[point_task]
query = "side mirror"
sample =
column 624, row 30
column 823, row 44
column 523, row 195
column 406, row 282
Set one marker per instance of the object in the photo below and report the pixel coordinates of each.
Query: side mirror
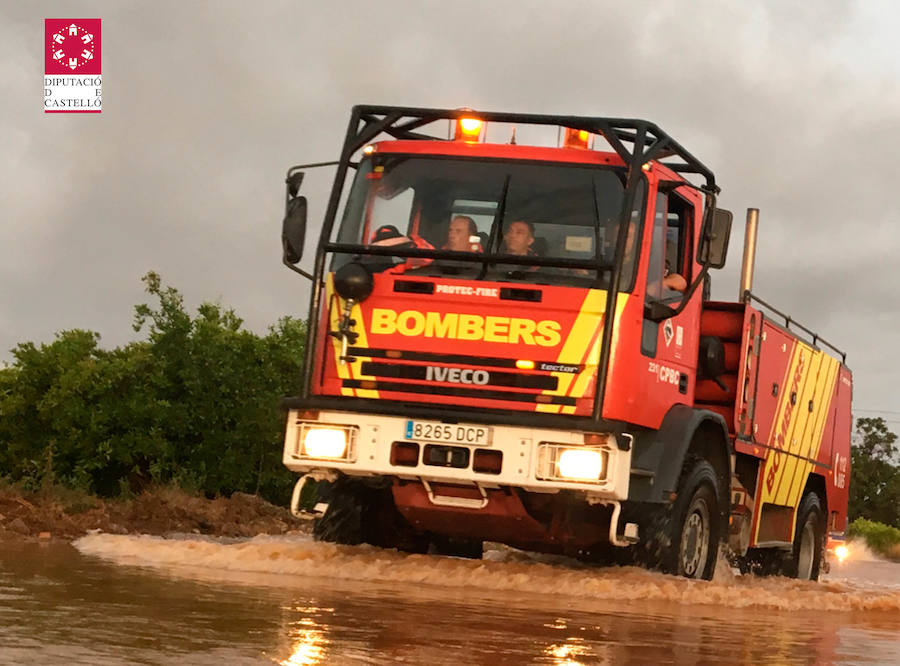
column 293, row 230
column 714, row 238
column 294, row 181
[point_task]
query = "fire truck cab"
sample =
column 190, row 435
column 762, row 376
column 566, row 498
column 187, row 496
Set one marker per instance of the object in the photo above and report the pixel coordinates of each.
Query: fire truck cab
column 515, row 343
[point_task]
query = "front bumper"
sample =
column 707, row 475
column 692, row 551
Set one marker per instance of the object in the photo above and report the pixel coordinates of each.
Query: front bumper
column 530, row 456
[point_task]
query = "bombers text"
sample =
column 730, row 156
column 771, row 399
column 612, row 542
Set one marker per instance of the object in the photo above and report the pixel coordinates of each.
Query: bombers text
column 460, row 326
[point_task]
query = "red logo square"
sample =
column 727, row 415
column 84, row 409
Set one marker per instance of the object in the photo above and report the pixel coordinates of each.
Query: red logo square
column 72, row 46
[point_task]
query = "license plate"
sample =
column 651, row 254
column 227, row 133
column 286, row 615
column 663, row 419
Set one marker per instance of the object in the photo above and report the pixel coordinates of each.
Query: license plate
column 452, row 433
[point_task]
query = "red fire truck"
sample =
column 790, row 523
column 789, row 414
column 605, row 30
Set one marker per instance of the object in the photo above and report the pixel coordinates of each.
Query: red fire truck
column 515, row 343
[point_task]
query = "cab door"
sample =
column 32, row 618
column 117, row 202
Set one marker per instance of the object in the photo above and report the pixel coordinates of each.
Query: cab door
column 669, row 347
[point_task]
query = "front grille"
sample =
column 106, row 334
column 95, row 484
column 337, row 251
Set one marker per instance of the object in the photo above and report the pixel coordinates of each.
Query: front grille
column 484, row 394
column 494, row 378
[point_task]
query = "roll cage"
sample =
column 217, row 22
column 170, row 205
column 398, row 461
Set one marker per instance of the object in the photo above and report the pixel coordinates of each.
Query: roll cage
column 637, row 142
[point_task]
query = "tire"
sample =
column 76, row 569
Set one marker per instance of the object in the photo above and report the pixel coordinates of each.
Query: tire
column 695, row 526
column 763, row 562
column 344, row 519
column 358, row 513
column 471, row 549
column 809, row 540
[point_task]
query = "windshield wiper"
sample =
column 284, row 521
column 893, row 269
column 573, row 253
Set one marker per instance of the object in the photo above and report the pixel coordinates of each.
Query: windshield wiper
column 495, row 226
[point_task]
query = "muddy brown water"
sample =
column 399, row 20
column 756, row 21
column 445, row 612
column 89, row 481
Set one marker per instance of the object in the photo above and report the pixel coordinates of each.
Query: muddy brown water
column 111, row 599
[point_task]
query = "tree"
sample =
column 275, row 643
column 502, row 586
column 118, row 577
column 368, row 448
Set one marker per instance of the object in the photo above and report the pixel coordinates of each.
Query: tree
column 195, row 404
column 874, row 476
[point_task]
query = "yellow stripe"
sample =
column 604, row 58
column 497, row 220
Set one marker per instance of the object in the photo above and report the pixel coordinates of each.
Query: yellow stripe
column 361, row 341
column 800, row 426
column 346, row 370
column 573, row 349
column 809, row 439
column 766, row 495
column 805, row 432
column 593, row 358
column 824, row 394
column 334, row 316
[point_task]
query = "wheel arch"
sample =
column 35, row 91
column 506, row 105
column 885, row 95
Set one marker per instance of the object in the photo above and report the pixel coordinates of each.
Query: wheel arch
column 659, row 456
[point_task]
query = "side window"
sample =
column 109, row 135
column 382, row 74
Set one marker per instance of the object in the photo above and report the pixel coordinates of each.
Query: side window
column 657, row 266
column 669, row 270
column 678, row 237
column 394, row 210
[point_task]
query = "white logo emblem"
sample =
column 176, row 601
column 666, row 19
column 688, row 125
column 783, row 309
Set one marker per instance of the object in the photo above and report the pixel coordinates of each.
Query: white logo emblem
column 668, row 332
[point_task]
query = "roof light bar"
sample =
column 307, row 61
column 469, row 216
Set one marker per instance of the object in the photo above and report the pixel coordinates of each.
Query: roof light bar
column 573, row 138
column 468, row 129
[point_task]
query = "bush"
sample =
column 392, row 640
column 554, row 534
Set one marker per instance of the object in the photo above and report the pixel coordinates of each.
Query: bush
column 196, row 403
column 882, row 539
column 874, row 474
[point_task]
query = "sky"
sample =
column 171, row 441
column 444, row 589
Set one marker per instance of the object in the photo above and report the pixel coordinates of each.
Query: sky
column 794, row 105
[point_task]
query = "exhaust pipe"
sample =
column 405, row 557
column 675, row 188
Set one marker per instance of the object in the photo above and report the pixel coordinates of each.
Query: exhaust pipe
column 749, row 254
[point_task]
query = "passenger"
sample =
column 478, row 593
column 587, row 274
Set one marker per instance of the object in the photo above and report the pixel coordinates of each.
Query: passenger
column 518, row 239
column 462, row 235
column 673, row 281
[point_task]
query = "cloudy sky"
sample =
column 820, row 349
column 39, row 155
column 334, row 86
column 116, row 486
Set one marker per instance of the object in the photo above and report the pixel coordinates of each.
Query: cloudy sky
column 794, row 105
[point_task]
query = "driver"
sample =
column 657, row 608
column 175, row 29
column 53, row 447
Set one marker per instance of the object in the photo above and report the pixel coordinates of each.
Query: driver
column 462, row 235
column 389, row 236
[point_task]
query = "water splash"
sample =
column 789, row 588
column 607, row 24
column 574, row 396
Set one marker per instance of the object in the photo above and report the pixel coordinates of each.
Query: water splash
column 501, row 570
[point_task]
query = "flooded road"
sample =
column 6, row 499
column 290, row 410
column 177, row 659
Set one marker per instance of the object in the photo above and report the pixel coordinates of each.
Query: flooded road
column 142, row 600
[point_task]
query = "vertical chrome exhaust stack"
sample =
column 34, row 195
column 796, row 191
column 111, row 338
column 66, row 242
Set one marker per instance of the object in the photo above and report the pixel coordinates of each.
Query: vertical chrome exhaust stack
column 749, row 254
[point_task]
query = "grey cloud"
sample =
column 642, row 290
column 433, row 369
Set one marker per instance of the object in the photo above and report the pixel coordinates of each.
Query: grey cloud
column 207, row 104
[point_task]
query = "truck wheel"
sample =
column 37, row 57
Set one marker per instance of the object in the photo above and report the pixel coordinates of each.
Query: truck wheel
column 763, row 562
column 343, row 520
column 359, row 513
column 809, row 540
column 695, row 527
column 471, row 549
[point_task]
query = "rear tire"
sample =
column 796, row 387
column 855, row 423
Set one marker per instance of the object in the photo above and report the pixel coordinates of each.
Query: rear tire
column 695, row 528
column 809, row 540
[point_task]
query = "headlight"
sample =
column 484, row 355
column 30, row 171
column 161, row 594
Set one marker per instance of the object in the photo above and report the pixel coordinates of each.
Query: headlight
column 580, row 464
column 565, row 462
column 325, row 443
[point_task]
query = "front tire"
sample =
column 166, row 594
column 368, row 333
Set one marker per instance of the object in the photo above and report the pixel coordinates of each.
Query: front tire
column 696, row 525
column 360, row 513
column 470, row 549
column 809, row 540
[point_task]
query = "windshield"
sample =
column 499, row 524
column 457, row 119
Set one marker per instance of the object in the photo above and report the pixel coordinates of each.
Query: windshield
column 513, row 208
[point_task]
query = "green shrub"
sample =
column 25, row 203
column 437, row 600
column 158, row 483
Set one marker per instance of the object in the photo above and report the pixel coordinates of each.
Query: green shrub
column 882, row 539
column 195, row 403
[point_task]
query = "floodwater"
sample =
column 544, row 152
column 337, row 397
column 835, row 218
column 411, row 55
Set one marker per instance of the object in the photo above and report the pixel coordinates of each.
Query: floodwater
column 112, row 599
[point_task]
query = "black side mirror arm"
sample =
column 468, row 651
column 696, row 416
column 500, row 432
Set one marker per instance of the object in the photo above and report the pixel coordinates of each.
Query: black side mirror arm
column 296, row 269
